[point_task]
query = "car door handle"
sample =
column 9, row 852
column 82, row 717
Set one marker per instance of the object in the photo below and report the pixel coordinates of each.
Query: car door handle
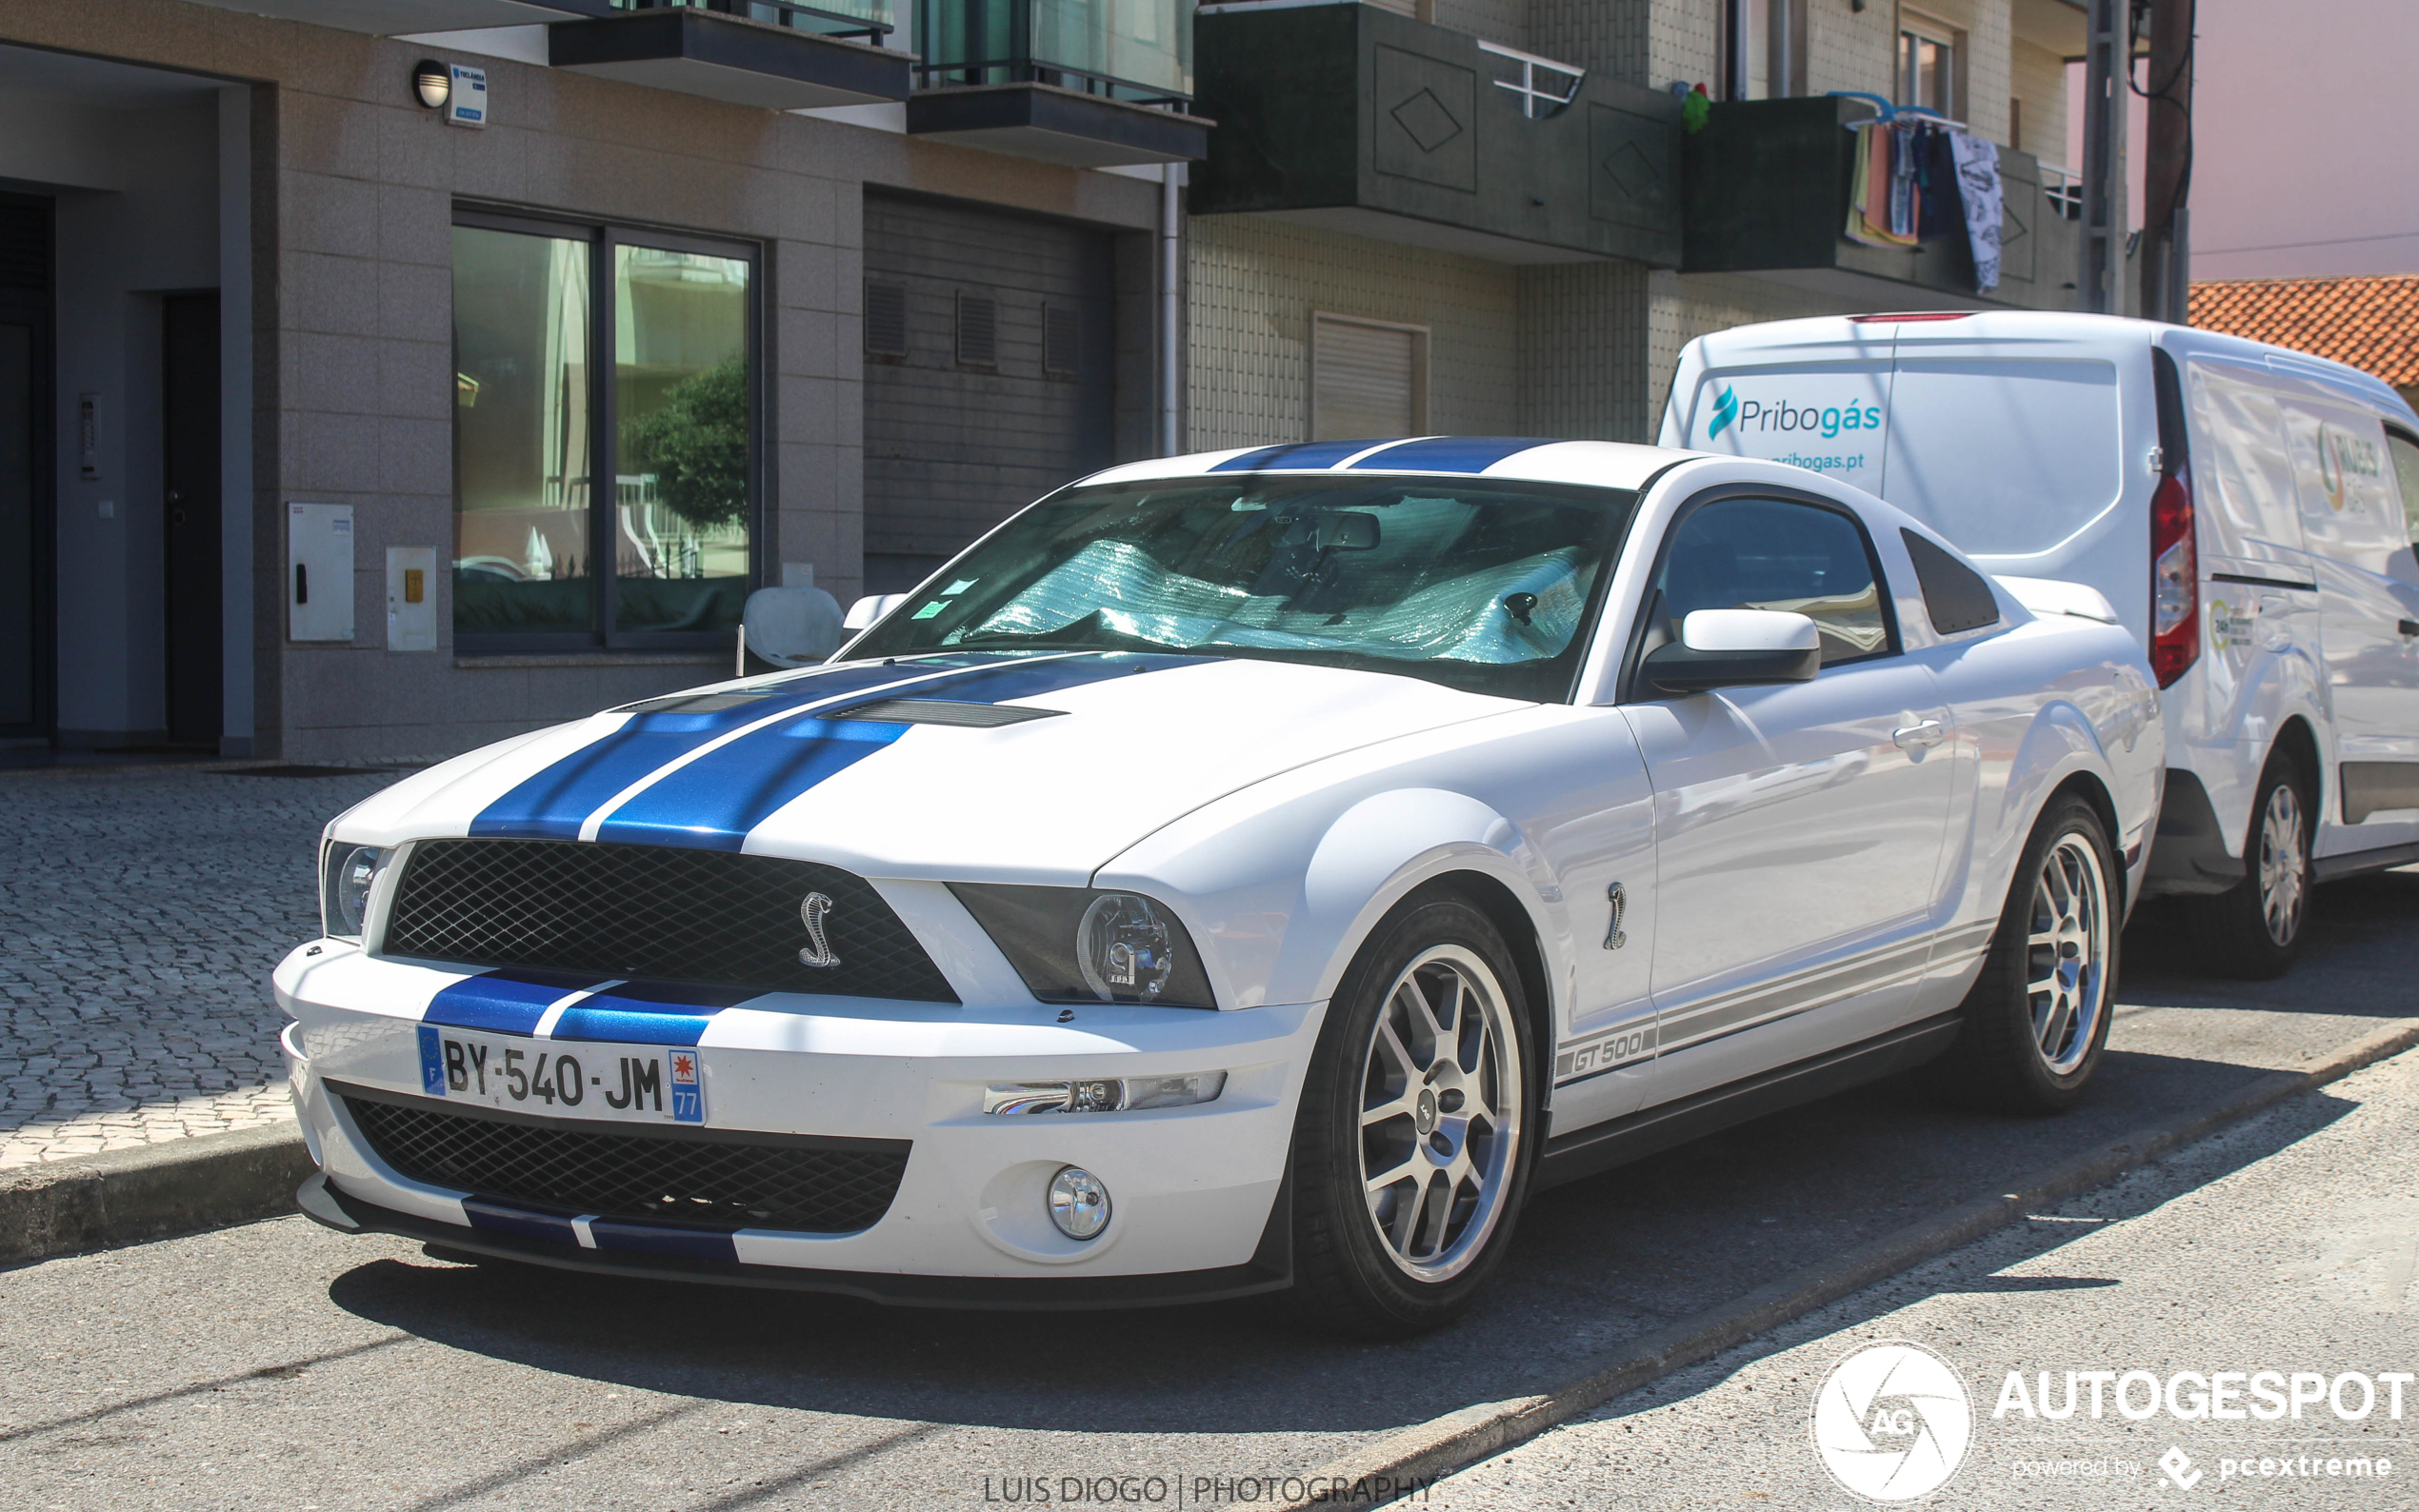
column 1921, row 736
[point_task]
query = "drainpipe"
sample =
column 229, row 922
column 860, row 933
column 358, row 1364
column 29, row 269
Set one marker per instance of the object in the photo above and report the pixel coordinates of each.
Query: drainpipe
column 1170, row 306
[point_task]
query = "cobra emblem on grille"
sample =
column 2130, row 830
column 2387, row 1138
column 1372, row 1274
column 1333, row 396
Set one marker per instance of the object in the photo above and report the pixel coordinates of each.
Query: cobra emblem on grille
column 812, row 910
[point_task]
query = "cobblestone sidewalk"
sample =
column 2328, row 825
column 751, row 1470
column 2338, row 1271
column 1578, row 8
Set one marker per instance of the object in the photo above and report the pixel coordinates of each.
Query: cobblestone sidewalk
column 140, row 913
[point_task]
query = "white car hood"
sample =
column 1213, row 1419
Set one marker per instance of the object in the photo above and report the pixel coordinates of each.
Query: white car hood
column 1134, row 742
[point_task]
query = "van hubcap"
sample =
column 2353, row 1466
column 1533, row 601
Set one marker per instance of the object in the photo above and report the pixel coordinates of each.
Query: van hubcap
column 2067, row 952
column 1440, row 1113
column 2281, row 872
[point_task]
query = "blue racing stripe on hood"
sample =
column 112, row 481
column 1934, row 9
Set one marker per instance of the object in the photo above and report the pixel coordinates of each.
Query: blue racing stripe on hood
column 1448, row 453
column 1299, row 454
column 713, row 802
column 555, row 802
column 648, row 1013
column 503, row 1002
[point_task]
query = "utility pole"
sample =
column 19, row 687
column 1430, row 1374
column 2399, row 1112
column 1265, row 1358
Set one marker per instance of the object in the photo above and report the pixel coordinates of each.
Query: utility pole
column 2108, row 65
column 2167, row 169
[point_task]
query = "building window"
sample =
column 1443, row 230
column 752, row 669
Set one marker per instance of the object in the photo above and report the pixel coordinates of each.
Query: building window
column 587, row 353
column 1763, row 49
column 1927, row 62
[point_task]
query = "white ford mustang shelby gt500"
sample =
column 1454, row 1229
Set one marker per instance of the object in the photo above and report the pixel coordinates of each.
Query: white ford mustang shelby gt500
column 1239, row 871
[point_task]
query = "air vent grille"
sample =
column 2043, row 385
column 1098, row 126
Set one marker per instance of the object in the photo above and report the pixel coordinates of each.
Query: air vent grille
column 978, row 342
column 1062, row 339
column 885, row 321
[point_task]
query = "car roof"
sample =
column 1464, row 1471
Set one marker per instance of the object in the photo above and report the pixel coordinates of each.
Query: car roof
column 1532, row 459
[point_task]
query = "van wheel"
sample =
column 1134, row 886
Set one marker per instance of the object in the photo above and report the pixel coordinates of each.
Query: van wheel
column 2037, row 1017
column 1417, row 1127
column 2253, row 930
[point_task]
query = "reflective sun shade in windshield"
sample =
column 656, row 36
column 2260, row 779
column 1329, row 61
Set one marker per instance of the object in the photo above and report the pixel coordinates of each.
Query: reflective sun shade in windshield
column 1477, row 584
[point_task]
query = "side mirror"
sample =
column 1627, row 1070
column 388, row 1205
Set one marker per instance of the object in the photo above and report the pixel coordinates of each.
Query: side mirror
column 869, row 608
column 1735, row 648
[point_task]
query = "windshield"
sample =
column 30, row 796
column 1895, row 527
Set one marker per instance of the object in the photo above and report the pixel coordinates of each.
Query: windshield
column 1481, row 584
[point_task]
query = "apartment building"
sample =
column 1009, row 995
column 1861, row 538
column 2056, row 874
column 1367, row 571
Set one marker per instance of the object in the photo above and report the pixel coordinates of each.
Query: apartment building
column 380, row 377
column 1489, row 216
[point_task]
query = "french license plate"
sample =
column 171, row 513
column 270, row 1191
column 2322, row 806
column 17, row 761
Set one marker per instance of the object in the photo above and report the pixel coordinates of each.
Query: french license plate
column 632, row 1083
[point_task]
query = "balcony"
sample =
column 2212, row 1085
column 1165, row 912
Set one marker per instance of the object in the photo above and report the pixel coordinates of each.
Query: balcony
column 773, row 55
column 1086, row 83
column 388, row 18
column 1767, row 190
column 1356, row 119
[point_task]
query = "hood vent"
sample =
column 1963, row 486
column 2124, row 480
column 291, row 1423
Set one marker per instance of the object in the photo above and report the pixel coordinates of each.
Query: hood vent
column 936, row 711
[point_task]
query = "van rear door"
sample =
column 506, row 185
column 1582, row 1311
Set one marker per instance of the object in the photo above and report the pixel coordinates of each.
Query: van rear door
column 2024, row 450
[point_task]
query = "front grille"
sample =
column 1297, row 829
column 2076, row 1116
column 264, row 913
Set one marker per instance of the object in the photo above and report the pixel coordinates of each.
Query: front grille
column 654, row 913
column 716, row 1178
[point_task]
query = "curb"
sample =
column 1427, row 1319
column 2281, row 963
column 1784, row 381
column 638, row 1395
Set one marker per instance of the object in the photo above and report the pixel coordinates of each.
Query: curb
column 1430, row 1450
column 156, row 1191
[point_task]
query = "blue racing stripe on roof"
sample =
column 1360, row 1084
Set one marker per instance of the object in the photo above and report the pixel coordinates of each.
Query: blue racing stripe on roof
column 1298, row 455
column 1448, row 453
column 713, row 802
column 552, row 803
column 504, row 1002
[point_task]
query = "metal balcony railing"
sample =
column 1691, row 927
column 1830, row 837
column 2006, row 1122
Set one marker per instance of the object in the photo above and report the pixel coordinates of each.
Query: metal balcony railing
column 1135, row 51
column 869, row 19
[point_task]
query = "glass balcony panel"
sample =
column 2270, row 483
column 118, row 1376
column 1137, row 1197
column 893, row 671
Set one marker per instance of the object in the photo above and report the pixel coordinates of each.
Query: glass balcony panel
column 1139, row 42
column 831, row 17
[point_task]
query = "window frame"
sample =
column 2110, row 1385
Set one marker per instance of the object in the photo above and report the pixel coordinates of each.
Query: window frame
column 1917, row 27
column 2411, row 523
column 603, row 238
column 1634, row 691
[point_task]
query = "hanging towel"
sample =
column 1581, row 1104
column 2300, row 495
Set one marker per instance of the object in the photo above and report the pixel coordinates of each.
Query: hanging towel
column 1978, row 188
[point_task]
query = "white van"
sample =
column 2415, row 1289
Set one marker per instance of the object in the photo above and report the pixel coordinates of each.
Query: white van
column 2248, row 513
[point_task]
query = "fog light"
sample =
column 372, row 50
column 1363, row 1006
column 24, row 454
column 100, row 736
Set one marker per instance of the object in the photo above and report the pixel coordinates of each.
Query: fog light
column 1078, row 1202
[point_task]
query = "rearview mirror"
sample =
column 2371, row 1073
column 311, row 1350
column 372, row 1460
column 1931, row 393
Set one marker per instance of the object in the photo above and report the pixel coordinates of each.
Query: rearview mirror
column 869, row 608
column 1735, row 648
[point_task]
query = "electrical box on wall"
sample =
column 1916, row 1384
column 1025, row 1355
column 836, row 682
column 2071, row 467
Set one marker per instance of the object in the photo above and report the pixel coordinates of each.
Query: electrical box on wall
column 319, row 571
column 411, row 598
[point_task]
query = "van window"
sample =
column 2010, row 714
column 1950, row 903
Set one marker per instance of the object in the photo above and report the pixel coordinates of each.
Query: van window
column 2006, row 457
column 2405, row 455
column 2242, row 487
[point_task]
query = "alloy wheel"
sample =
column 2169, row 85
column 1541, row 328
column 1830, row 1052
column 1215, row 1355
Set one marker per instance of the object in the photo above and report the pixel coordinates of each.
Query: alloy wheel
column 2067, row 952
column 1441, row 1098
column 2281, row 872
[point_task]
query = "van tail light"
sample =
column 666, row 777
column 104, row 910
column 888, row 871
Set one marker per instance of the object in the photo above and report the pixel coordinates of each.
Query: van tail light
column 2175, row 581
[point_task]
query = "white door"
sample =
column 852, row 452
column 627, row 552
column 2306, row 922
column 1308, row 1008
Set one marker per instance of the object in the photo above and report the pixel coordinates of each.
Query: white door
column 1798, row 827
column 2359, row 546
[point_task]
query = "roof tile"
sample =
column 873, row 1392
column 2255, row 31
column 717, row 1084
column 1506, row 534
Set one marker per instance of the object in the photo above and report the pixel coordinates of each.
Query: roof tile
column 2368, row 323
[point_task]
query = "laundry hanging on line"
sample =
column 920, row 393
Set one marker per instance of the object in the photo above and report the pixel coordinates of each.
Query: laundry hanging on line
column 1918, row 182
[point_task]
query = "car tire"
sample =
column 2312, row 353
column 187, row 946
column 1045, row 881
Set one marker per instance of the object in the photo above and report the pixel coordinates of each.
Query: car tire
column 2253, row 930
column 2036, row 1020
column 1424, row 1071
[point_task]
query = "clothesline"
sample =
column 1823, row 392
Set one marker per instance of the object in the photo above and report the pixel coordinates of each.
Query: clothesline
column 1890, row 112
column 1917, row 177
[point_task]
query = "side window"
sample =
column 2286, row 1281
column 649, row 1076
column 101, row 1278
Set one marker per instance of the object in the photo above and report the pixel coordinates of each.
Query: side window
column 1955, row 596
column 2405, row 455
column 1772, row 554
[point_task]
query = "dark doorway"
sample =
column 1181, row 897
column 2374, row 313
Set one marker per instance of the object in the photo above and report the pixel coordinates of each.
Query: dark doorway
column 25, row 471
column 192, row 560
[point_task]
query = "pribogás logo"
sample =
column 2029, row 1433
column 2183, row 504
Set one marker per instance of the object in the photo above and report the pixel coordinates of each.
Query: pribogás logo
column 1892, row 1422
column 1785, row 416
column 1726, row 409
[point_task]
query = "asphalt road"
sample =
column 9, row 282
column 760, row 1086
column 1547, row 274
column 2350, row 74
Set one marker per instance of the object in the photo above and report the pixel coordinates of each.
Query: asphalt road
column 2285, row 1243
column 283, row 1365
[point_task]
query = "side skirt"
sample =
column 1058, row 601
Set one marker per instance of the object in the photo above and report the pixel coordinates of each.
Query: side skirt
column 2351, row 863
column 1618, row 1141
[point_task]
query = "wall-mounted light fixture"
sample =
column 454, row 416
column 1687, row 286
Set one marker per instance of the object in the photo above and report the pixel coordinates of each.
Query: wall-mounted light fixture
column 433, row 82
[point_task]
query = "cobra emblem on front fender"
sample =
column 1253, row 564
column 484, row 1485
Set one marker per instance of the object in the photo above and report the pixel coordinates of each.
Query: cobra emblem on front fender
column 812, row 910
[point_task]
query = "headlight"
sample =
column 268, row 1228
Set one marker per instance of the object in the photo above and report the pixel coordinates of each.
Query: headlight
column 1073, row 944
column 346, row 875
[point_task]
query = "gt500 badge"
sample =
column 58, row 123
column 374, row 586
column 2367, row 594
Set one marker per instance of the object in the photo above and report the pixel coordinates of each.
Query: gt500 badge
column 1603, row 1055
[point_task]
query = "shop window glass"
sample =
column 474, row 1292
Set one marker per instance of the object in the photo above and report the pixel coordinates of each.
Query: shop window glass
column 682, row 401
column 523, row 559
